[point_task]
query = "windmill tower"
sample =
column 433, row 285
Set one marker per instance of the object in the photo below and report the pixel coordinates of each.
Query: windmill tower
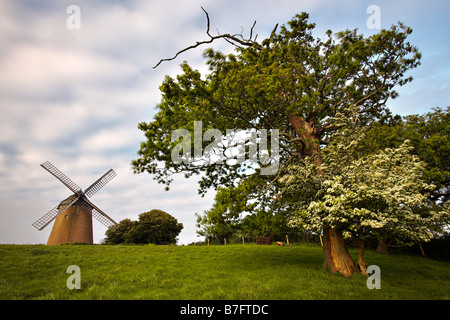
column 74, row 215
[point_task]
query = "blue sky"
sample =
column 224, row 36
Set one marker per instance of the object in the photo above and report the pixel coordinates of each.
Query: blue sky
column 74, row 97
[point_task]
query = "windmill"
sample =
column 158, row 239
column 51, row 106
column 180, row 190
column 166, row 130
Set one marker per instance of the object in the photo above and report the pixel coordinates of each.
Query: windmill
column 74, row 215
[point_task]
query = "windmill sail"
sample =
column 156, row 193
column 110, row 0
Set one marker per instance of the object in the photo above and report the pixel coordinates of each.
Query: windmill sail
column 42, row 222
column 98, row 213
column 61, row 177
column 100, row 183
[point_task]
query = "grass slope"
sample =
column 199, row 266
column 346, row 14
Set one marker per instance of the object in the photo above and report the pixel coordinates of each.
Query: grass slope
column 230, row 272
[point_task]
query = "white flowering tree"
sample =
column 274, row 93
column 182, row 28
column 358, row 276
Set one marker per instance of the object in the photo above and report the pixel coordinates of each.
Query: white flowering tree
column 380, row 195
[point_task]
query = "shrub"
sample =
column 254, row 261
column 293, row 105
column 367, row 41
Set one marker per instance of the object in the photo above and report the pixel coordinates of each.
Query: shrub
column 155, row 226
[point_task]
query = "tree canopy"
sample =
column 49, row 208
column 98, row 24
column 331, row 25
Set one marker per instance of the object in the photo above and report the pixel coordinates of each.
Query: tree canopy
column 292, row 82
column 429, row 136
column 155, row 226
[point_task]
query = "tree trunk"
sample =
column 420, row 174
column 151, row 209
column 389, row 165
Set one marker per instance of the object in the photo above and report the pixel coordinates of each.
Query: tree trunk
column 362, row 264
column 383, row 247
column 309, row 145
column 336, row 256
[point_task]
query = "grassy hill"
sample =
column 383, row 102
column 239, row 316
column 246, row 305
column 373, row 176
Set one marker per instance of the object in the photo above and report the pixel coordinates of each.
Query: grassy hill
column 231, row 272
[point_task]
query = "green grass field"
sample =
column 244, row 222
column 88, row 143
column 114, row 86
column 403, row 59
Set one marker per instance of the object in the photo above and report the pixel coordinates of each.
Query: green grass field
column 231, row 272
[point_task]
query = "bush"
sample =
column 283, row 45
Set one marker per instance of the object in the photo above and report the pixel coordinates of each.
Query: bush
column 155, row 226
column 117, row 234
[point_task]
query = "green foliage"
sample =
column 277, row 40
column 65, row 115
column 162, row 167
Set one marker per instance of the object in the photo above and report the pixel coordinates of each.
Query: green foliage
column 381, row 195
column 117, row 234
column 224, row 218
column 247, row 209
column 429, row 136
column 155, row 226
column 270, row 223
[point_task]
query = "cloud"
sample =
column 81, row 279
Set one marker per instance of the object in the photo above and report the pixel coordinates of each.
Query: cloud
column 75, row 97
column 110, row 138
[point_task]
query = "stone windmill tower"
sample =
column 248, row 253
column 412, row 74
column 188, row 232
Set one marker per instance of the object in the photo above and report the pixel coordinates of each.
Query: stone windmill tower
column 74, row 215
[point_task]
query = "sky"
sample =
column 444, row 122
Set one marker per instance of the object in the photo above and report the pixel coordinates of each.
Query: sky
column 75, row 84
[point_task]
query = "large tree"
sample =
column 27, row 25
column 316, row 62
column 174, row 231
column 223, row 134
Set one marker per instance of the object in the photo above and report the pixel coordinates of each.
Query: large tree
column 292, row 82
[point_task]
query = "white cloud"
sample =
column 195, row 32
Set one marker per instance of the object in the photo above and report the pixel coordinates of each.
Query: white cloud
column 75, row 97
column 37, row 71
column 108, row 139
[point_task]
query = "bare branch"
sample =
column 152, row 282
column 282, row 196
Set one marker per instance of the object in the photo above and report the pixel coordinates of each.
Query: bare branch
column 236, row 39
column 273, row 31
column 207, row 21
column 251, row 30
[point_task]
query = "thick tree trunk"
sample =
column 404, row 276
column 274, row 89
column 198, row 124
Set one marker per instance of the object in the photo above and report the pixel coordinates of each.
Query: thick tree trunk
column 309, row 145
column 362, row 264
column 336, row 256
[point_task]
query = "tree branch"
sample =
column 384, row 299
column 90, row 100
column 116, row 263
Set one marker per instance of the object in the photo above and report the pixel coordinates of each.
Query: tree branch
column 235, row 39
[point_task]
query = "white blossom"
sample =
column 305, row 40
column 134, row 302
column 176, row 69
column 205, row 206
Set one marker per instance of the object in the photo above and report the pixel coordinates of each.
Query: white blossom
column 380, row 194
